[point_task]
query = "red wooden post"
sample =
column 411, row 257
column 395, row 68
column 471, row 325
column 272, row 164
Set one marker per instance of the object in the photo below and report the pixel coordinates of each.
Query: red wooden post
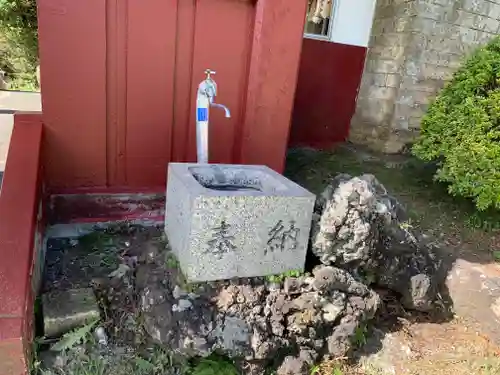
column 19, row 204
column 72, row 39
column 277, row 43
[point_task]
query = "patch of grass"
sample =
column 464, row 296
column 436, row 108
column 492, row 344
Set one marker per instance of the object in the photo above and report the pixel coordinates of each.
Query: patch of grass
column 339, row 367
column 214, row 365
column 96, row 240
column 100, row 246
column 282, row 276
column 360, row 336
column 171, row 261
column 159, row 361
column 487, row 366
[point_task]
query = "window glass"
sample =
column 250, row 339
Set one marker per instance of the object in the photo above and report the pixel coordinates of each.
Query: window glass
column 319, row 18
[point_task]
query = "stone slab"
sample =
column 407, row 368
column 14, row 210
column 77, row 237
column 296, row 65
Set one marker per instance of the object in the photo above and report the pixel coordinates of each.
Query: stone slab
column 66, row 310
column 226, row 221
column 474, row 289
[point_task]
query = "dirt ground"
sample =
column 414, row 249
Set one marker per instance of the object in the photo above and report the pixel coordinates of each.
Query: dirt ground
column 400, row 342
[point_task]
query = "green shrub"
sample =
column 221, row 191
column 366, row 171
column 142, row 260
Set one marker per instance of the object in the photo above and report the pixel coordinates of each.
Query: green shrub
column 461, row 130
column 19, row 42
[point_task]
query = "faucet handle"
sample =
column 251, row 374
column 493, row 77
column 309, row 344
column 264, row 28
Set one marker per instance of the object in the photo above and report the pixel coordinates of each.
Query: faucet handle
column 209, row 72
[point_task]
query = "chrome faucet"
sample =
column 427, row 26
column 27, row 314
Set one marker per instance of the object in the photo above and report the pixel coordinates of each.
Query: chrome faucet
column 209, row 88
column 207, row 91
column 226, row 110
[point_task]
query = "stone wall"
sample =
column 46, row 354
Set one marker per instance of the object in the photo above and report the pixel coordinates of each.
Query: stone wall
column 415, row 47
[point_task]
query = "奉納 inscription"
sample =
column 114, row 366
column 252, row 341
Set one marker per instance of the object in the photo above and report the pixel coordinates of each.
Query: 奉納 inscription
column 282, row 238
column 221, row 242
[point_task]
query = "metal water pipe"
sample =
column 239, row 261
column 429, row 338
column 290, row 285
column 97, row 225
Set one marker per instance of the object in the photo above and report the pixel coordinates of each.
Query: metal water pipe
column 207, row 91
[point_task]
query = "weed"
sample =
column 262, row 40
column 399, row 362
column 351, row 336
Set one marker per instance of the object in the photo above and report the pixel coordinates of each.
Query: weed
column 96, row 240
column 214, row 365
column 74, row 337
column 171, row 261
column 282, row 276
column 368, row 276
column 92, row 366
column 359, row 338
column 407, row 225
column 496, row 255
column 315, row 370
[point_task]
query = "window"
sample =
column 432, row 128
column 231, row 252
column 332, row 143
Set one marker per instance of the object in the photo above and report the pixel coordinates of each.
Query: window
column 319, row 19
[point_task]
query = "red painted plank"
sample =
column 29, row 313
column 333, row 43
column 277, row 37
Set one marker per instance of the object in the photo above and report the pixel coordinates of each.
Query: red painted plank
column 326, row 93
column 72, row 44
column 277, row 42
column 19, row 203
column 12, row 357
column 150, row 84
column 116, row 69
column 228, row 53
column 184, row 94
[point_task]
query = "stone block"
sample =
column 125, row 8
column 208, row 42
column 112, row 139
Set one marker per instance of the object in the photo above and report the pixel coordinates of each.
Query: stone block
column 414, row 122
column 375, row 111
column 393, row 80
column 476, row 6
column 383, row 66
column 494, row 11
column 465, row 19
column 402, row 24
column 66, row 310
column 489, row 25
column 426, row 85
column 431, row 11
column 374, row 79
column 383, row 93
column 430, row 71
column 227, row 221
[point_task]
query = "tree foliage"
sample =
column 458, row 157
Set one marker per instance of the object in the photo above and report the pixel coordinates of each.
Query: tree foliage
column 461, row 130
column 19, row 40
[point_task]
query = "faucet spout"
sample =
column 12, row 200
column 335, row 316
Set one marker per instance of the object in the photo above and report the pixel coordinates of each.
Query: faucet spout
column 226, row 110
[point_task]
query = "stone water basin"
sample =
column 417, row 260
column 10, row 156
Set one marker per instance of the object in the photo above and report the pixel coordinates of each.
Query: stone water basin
column 226, row 221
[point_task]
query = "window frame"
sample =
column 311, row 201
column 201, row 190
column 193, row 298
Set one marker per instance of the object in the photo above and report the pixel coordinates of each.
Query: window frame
column 329, row 36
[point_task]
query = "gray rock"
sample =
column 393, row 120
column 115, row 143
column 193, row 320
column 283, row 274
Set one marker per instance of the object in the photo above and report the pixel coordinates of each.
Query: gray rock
column 409, row 267
column 292, row 285
column 361, row 230
column 233, row 335
column 331, row 278
column 293, row 366
column 178, row 293
column 347, row 229
column 182, row 305
column 244, row 319
column 331, row 311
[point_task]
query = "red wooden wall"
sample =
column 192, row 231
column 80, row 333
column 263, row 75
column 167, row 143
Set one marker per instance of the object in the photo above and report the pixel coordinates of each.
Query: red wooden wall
column 119, row 80
column 327, row 87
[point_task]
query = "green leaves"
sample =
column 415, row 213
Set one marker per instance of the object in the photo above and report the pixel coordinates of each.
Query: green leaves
column 75, row 337
column 461, row 130
column 19, row 42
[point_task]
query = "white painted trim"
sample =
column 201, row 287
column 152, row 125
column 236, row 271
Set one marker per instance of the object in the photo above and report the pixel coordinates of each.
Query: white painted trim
column 351, row 23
